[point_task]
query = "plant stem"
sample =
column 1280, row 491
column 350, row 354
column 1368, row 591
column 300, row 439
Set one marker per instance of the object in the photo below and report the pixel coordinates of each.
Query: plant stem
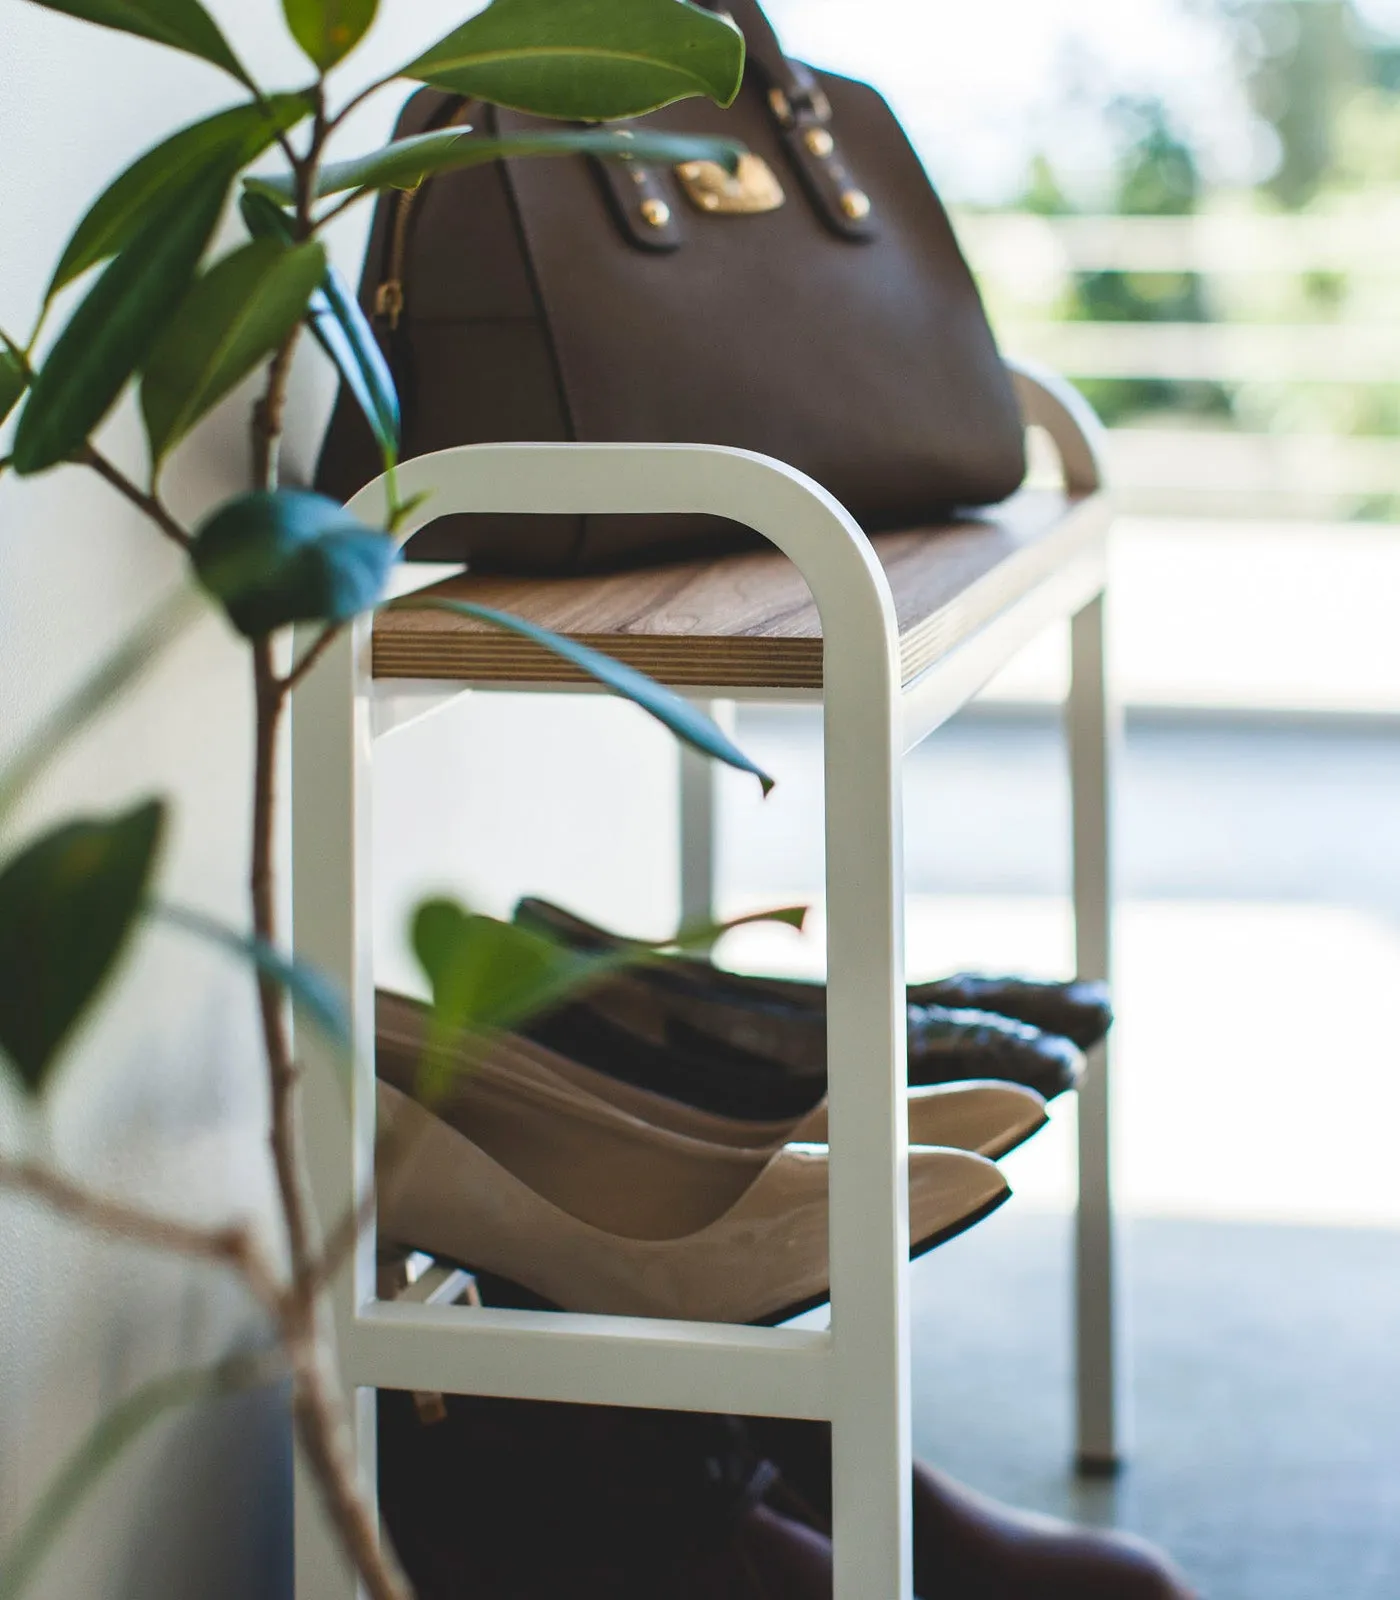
column 151, row 504
column 232, row 1245
column 358, row 99
column 318, row 1399
column 269, row 414
column 392, row 1155
column 319, row 1411
column 318, row 1404
column 312, row 656
column 282, row 1072
column 341, row 206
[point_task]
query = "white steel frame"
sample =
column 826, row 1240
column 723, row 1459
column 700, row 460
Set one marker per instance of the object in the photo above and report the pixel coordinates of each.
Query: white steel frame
column 856, row 1373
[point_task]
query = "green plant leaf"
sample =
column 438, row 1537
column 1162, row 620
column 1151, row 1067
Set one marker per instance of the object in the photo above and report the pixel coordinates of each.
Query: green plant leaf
column 67, row 905
column 87, row 1465
column 232, row 317
column 344, row 333
column 679, row 715
column 588, row 60
column 231, row 138
column 485, row 975
column 405, row 163
column 488, row 974
column 285, row 555
column 14, row 379
column 263, row 216
column 310, row 990
column 328, row 30
column 112, row 331
column 182, row 24
column 340, row 328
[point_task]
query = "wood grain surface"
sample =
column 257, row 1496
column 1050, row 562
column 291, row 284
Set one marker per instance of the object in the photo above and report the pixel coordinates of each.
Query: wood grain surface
column 748, row 620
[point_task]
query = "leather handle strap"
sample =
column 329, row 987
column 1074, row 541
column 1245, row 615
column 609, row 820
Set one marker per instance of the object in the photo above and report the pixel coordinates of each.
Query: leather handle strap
column 765, row 51
column 803, row 114
column 643, row 201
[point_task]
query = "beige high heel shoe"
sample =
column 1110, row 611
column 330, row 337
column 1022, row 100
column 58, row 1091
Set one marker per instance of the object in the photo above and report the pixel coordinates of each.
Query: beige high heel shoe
column 760, row 1257
column 989, row 1118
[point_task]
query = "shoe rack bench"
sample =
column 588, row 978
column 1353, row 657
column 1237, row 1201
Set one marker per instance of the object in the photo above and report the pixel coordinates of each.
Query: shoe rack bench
column 892, row 636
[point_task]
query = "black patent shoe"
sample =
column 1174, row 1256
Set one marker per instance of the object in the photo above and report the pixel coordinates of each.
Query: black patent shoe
column 1079, row 1010
column 756, row 1047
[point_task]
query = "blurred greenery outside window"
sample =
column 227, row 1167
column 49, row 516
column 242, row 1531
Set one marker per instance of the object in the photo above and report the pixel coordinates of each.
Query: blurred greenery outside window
column 1258, row 304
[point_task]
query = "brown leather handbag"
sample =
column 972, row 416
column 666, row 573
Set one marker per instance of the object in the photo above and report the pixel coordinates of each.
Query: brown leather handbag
column 813, row 306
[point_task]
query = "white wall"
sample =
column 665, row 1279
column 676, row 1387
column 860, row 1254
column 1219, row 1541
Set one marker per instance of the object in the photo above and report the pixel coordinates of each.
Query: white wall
column 162, row 1099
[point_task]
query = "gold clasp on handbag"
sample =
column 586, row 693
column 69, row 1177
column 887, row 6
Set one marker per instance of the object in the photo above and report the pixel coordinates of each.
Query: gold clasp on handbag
column 752, row 188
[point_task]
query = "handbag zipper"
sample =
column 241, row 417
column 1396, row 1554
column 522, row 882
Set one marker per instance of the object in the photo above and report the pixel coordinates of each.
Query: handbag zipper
column 389, row 296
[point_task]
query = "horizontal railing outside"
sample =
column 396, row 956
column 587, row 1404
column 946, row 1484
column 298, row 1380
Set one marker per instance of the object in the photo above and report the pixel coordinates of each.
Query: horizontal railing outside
column 1208, row 463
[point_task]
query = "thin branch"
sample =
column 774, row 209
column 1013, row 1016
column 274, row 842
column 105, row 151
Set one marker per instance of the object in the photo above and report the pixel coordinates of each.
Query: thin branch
column 233, row 1245
column 340, row 1241
column 318, row 1401
column 309, row 175
column 288, row 150
column 342, row 206
column 357, row 100
column 391, row 1159
column 284, row 1076
column 279, row 134
column 151, row 504
column 323, row 1430
column 328, row 637
column 269, row 699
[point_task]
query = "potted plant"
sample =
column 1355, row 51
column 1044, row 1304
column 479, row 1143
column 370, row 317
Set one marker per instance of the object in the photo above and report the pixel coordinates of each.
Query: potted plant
column 168, row 312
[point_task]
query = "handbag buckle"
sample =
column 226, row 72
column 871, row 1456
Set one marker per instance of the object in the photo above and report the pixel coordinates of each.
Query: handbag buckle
column 751, row 188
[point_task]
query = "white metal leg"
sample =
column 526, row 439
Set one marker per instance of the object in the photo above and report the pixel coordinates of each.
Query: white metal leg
column 322, row 1572
column 1101, row 1427
column 868, row 1072
column 871, row 1454
column 331, row 737
column 1100, row 1350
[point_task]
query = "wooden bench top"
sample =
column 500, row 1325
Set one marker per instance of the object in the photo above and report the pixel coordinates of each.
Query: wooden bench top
column 746, row 620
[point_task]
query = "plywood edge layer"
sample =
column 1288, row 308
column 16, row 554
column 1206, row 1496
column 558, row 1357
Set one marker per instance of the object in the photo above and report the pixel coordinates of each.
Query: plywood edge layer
column 720, row 663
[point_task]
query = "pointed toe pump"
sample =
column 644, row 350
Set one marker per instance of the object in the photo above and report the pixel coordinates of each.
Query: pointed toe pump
column 542, row 1114
column 756, row 1047
column 760, row 1257
column 991, row 1119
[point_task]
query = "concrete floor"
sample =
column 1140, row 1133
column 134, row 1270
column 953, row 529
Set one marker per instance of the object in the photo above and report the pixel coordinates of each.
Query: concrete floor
column 1266, row 1454
column 1259, row 1091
